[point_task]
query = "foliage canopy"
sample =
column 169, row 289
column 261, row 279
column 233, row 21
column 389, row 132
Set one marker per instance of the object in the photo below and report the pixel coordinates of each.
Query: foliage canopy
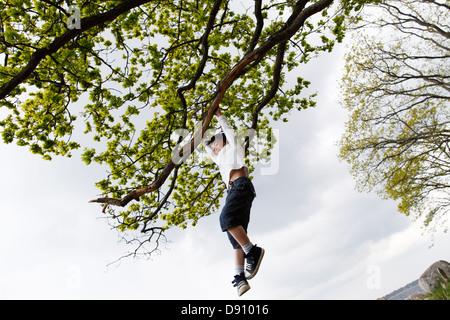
column 397, row 89
column 141, row 77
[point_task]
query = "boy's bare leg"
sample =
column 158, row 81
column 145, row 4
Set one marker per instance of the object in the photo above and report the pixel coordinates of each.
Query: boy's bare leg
column 253, row 254
column 239, row 235
column 239, row 257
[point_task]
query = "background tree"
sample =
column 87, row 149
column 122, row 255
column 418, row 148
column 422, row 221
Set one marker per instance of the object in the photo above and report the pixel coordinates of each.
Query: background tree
column 143, row 78
column 397, row 88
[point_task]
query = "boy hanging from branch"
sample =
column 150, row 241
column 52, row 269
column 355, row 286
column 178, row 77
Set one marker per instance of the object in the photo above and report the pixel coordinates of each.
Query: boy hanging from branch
column 229, row 155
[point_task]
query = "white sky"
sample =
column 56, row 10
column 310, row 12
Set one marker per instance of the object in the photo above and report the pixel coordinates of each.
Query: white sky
column 323, row 239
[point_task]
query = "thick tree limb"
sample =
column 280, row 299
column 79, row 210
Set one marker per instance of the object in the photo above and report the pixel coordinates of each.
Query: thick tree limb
column 252, row 58
column 136, row 194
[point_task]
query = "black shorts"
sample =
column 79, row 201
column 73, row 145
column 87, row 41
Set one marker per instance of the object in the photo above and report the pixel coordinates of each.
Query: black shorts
column 236, row 211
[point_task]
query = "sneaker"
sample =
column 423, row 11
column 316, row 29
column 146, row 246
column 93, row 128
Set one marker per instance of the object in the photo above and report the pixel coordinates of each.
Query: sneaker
column 254, row 258
column 241, row 283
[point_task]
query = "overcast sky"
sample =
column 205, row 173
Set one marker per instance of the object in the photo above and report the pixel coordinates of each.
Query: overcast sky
column 323, row 239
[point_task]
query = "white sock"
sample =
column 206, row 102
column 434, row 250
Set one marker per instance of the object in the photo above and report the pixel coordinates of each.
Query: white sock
column 247, row 247
column 239, row 270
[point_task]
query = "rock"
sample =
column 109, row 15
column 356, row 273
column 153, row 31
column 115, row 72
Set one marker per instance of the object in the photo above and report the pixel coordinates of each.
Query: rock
column 417, row 296
column 437, row 272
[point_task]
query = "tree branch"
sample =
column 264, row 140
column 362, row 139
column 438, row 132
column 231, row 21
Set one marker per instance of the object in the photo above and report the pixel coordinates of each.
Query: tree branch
column 86, row 24
column 259, row 26
column 276, row 82
column 204, row 43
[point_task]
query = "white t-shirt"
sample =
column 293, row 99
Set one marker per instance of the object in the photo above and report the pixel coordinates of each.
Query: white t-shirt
column 232, row 155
